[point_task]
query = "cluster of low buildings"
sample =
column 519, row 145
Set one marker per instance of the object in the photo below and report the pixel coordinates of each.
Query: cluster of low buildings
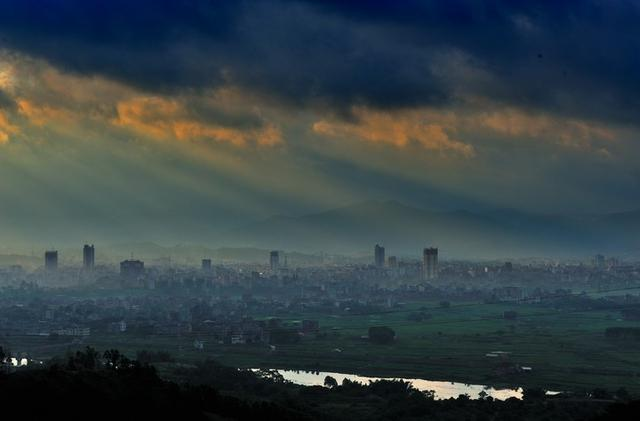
column 245, row 303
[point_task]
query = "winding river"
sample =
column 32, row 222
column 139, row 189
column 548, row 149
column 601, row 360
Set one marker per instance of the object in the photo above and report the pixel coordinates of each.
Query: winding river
column 443, row 390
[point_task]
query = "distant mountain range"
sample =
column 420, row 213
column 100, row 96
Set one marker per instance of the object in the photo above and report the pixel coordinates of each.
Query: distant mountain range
column 351, row 233
column 405, row 230
column 192, row 254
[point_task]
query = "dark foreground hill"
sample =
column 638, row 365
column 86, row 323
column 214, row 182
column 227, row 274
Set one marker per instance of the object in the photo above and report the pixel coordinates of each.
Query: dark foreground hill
column 85, row 386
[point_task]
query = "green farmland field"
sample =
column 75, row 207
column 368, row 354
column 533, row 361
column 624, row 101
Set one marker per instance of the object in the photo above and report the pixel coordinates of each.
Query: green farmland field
column 565, row 350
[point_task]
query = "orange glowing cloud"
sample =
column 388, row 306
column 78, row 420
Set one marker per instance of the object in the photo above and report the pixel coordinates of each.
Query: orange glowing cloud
column 433, row 129
column 570, row 132
column 149, row 116
column 6, row 128
column 164, row 119
column 6, row 78
column 398, row 129
column 41, row 115
column 47, row 98
column 51, row 99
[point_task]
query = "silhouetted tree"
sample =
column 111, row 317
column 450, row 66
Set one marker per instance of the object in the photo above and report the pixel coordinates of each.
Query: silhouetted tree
column 330, row 382
column 113, row 358
column 88, row 359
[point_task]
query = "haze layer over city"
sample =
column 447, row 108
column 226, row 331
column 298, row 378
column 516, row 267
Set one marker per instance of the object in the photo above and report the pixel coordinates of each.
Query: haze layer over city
column 320, row 209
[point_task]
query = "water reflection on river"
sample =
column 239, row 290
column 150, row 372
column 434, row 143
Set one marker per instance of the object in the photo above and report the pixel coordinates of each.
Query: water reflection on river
column 443, row 390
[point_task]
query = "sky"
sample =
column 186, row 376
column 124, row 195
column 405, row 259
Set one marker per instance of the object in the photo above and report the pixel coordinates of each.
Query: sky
column 176, row 118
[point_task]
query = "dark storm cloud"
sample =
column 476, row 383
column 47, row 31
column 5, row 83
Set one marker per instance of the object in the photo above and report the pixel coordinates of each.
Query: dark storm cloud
column 576, row 58
column 135, row 41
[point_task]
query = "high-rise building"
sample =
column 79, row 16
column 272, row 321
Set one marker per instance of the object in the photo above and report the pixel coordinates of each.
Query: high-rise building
column 51, row 260
column 429, row 263
column 131, row 269
column 392, row 262
column 379, row 256
column 599, row 261
column 206, row 265
column 274, row 260
column 88, row 256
